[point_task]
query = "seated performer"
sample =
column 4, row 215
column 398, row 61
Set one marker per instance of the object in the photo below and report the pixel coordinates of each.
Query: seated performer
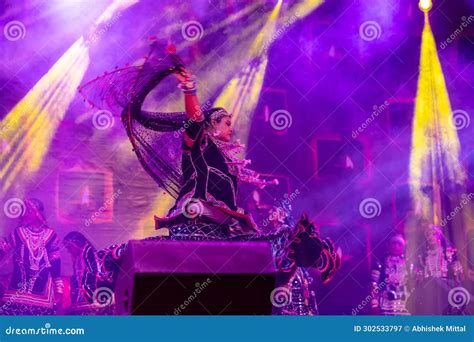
column 390, row 280
column 88, row 280
column 35, row 287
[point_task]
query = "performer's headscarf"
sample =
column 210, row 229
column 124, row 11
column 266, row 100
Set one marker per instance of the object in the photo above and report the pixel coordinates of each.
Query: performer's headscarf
column 77, row 239
column 155, row 136
column 35, row 206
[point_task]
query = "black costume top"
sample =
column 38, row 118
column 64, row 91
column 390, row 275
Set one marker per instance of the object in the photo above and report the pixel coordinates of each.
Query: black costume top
column 206, row 174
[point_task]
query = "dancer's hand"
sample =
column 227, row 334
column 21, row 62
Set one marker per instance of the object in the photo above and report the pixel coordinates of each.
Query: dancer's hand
column 182, row 75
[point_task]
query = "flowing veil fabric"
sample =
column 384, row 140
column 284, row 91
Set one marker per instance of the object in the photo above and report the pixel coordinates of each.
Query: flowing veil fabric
column 155, row 136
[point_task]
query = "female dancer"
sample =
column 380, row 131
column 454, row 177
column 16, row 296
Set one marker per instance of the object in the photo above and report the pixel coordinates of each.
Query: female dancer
column 204, row 182
column 391, row 285
column 35, row 287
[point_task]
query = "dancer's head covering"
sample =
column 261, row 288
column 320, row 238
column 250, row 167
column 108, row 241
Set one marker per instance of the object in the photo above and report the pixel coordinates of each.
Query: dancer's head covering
column 36, row 208
column 77, row 239
column 399, row 238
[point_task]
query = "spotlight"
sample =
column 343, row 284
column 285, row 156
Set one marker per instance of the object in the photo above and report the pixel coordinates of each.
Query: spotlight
column 425, row 5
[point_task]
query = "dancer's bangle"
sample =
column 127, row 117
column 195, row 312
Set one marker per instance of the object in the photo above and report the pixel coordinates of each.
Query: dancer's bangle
column 59, row 285
column 188, row 86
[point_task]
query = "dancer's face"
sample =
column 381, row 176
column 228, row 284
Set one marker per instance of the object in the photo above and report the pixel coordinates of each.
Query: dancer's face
column 396, row 247
column 29, row 217
column 222, row 129
column 433, row 239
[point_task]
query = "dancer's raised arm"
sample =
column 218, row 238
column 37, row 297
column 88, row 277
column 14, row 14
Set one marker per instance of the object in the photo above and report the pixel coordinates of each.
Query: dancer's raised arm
column 187, row 84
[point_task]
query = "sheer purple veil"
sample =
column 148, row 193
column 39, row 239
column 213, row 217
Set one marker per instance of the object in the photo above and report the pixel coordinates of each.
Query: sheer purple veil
column 156, row 137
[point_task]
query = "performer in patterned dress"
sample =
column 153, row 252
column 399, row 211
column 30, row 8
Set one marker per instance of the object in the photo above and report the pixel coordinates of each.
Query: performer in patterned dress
column 91, row 283
column 438, row 272
column 390, row 280
column 300, row 255
column 36, row 287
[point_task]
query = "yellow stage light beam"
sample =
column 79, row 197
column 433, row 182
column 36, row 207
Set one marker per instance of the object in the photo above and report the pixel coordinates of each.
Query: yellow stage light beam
column 29, row 127
column 435, row 145
column 434, row 159
column 305, row 7
column 31, row 124
column 240, row 96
